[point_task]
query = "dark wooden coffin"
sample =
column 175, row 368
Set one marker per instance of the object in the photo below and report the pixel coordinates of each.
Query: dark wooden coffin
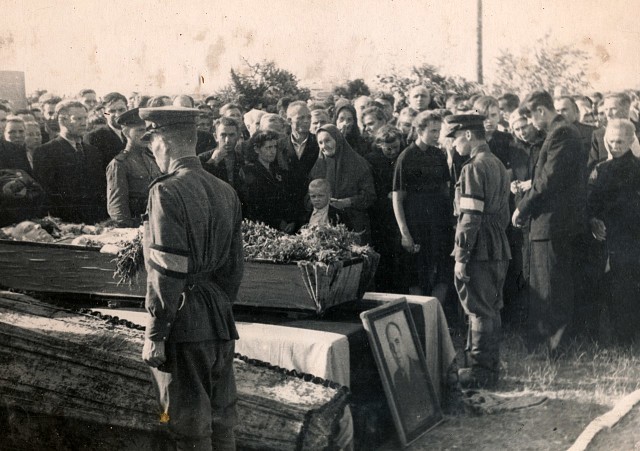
column 61, row 268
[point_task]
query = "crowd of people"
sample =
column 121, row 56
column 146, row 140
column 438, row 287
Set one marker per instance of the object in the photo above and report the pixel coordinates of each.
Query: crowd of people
column 387, row 167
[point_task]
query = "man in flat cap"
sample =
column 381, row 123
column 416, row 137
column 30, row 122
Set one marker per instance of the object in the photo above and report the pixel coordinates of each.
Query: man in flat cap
column 481, row 247
column 130, row 173
column 555, row 206
column 194, row 261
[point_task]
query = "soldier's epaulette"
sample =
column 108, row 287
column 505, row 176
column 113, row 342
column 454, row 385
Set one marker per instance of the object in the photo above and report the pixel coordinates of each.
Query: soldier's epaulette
column 161, row 178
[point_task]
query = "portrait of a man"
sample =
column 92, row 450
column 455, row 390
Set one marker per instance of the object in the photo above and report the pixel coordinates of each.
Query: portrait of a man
column 409, row 378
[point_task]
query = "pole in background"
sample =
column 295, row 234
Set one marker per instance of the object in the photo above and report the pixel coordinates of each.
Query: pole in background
column 479, row 44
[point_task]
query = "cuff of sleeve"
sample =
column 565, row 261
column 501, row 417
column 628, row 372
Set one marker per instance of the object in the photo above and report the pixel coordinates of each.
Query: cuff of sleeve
column 157, row 330
column 460, row 255
column 524, row 207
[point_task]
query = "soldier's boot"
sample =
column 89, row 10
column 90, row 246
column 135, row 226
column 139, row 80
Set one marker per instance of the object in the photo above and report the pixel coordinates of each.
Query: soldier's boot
column 484, row 343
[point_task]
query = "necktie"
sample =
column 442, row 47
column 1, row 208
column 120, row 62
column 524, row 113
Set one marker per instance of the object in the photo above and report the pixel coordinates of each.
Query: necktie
column 79, row 153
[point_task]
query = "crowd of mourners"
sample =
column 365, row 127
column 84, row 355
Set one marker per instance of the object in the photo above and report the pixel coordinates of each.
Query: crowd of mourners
column 382, row 166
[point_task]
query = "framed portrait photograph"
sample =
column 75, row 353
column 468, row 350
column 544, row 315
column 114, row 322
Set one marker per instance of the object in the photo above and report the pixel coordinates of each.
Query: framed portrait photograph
column 403, row 369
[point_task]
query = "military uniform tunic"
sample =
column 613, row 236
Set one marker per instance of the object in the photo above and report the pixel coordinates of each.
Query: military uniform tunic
column 194, row 261
column 128, row 177
column 482, row 205
column 193, row 254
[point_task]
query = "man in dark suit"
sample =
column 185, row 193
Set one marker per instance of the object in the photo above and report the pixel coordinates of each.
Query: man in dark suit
column 298, row 153
column 109, row 140
column 555, row 205
column 590, row 253
column 568, row 108
column 615, row 106
column 70, row 171
column 413, row 394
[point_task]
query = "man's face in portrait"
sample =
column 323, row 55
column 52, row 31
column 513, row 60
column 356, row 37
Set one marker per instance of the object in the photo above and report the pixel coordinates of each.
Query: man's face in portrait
column 394, row 337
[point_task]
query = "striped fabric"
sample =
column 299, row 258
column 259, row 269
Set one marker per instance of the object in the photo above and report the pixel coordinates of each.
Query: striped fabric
column 471, row 204
column 169, row 261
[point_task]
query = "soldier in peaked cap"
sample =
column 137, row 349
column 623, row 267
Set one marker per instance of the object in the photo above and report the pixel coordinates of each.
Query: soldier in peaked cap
column 130, row 173
column 194, row 261
column 481, row 248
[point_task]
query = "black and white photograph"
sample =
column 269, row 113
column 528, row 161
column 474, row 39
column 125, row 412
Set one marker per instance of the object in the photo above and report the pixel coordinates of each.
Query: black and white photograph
column 201, row 200
column 403, row 369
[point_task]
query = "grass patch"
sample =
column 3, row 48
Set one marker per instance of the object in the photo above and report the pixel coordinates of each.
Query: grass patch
column 589, row 370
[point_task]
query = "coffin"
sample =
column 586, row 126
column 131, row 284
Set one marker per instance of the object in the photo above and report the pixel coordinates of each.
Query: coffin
column 76, row 377
column 61, row 268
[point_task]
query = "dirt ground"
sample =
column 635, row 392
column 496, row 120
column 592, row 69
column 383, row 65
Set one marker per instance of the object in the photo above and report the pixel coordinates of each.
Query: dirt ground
column 554, row 425
column 579, row 387
column 624, row 436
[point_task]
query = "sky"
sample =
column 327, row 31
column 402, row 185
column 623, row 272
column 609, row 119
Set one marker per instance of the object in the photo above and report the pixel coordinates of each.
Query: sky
column 189, row 46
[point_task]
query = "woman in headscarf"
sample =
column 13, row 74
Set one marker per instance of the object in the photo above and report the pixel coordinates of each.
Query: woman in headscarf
column 349, row 175
column 346, row 119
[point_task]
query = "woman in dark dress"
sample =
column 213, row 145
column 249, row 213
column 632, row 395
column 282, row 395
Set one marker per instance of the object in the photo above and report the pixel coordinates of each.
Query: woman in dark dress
column 385, row 236
column 262, row 186
column 422, row 206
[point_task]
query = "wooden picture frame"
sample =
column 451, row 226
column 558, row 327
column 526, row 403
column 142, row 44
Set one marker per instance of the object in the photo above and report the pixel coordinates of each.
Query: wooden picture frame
column 403, row 369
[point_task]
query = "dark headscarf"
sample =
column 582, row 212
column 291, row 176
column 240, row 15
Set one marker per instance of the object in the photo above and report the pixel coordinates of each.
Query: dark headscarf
column 347, row 172
column 354, row 138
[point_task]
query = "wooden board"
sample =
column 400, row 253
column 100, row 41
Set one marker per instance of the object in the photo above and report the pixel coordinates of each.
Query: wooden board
column 59, row 364
column 61, row 268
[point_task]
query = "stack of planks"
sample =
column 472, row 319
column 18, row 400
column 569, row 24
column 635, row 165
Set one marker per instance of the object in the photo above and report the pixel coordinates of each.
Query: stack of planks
column 74, row 381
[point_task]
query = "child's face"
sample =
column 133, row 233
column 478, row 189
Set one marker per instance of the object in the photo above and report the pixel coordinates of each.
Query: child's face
column 319, row 198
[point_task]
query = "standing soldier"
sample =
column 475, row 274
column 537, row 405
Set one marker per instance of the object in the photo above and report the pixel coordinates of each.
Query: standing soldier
column 481, row 250
column 130, row 173
column 194, row 261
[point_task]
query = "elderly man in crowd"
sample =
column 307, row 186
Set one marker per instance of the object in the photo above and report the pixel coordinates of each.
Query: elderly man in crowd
column 109, row 140
column 300, row 153
column 71, row 171
column 555, row 207
column 614, row 106
column 614, row 203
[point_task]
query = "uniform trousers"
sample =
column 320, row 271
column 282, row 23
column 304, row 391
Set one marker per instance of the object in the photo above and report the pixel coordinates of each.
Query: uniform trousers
column 196, row 390
column 481, row 298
